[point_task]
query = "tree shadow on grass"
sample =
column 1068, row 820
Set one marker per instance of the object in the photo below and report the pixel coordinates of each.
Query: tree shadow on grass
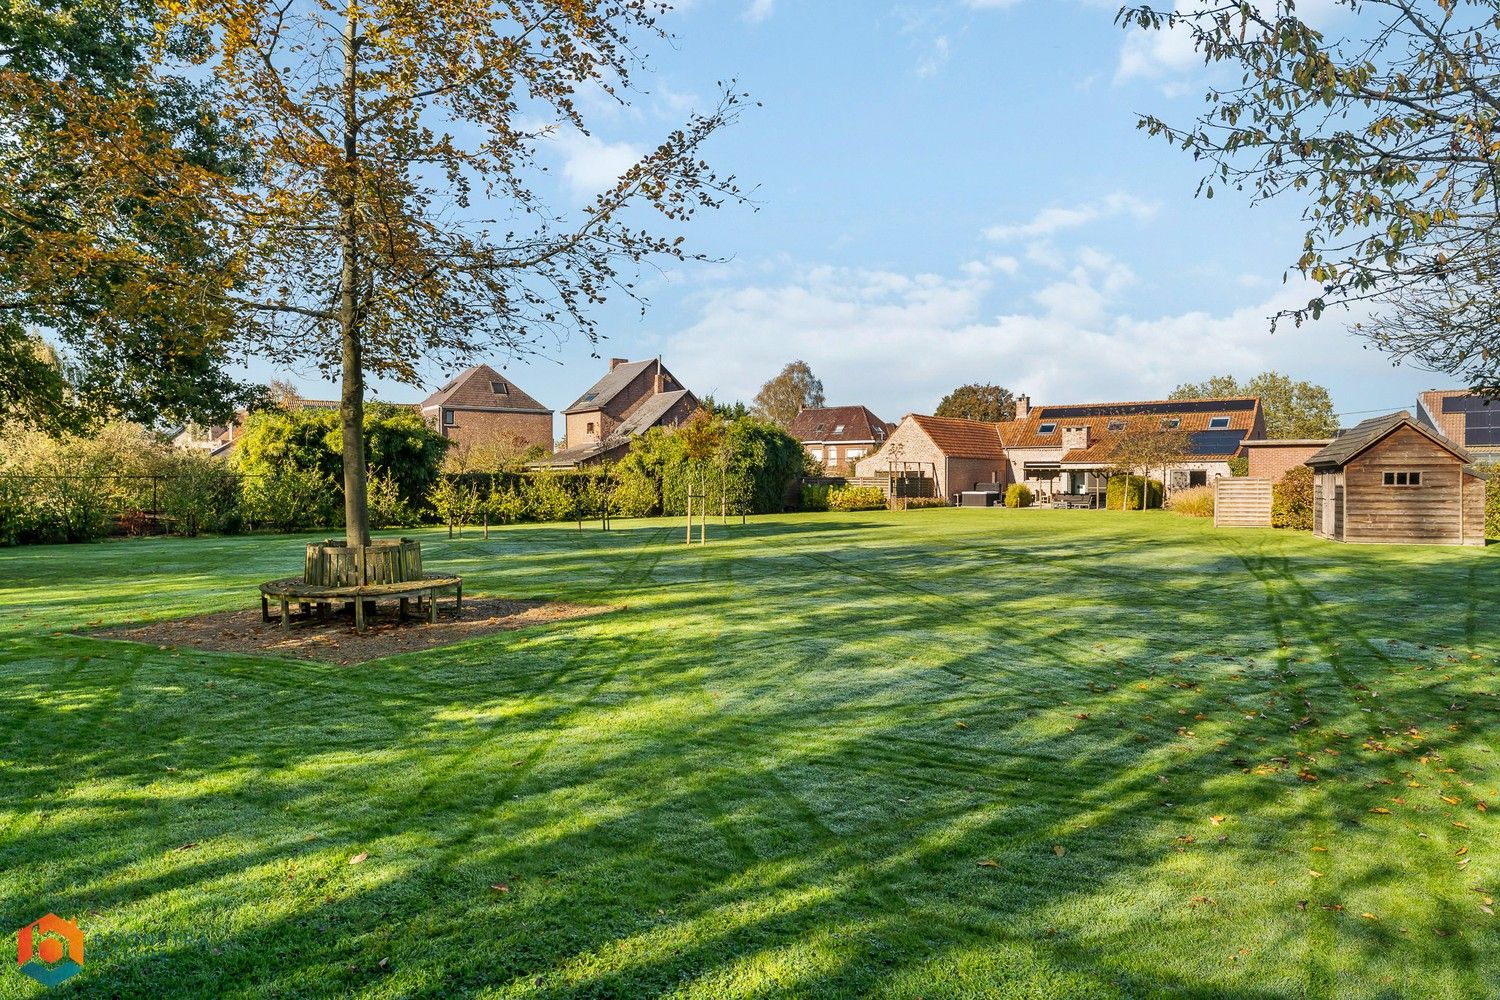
column 706, row 799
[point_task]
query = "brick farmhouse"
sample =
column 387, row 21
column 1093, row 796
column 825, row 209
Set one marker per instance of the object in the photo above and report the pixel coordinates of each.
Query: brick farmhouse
column 631, row 398
column 1064, row 451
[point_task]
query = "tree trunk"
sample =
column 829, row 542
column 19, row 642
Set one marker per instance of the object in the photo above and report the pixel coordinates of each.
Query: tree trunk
column 352, row 397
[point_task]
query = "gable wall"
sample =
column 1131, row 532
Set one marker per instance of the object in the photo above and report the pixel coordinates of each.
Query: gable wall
column 1430, row 513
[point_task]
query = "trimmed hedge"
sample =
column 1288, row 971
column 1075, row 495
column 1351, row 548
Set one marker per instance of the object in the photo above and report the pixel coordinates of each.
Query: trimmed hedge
column 1018, row 495
column 856, row 498
column 1492, row 503
column 1124, row 493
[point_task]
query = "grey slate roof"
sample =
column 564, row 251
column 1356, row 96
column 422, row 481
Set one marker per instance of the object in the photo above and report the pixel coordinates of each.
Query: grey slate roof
column 1366, row 433
column 611, row 385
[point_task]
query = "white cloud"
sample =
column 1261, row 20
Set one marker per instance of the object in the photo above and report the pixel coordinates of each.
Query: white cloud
column 935, row 57
column 590, row 164
column 898, row 342
column 759, row 10
column 1049, row 221
column 1153, row 54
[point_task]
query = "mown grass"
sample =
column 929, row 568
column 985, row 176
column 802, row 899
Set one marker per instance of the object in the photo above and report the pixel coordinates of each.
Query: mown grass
column 951, row 753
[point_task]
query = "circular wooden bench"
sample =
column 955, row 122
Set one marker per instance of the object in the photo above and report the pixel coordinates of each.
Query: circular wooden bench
column 295, row 590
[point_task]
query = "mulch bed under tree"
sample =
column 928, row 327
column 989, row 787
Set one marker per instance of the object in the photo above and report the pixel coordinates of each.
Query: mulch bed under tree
column 335, row 640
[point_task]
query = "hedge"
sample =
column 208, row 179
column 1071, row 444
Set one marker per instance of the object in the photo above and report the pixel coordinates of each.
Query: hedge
column 1116, row 497
column 856, row 498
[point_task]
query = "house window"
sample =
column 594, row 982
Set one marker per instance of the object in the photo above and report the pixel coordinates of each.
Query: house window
column 817, row 454
column 1403, row 479
column 1197, row 477
column 590, row 428
column 1171, row 423
column 1117, row 425
column 500, row 388
column 839, row 429
column 1046, row 428
column 1218, row 423
column 854, row 453
column 447, row 418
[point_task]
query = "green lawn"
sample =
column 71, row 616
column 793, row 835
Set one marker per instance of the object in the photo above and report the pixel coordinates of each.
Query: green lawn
column 950, row 753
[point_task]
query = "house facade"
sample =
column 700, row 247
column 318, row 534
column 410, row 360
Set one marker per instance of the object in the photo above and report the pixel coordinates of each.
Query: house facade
column 480, row 408
column 1068, row 451
column 945, row 455
column 837, row 437
column 1467, row 419
column 631, row 398
column 1394, row 479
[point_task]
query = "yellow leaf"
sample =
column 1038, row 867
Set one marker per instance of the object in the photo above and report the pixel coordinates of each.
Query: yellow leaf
column 1369, row 916
column 358, row 859
column 988, row 863
column 1314, row 874
column 1059, row 850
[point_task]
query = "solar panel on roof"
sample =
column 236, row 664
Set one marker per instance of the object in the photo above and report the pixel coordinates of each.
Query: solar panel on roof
column 1215, row 442
column 1136, row 409
column 1481, row 418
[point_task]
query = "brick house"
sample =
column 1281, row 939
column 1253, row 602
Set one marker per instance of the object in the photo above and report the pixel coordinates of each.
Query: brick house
column 1275, row 457
column 838, row 436
column 951, row 454
column 1461, row 416
column 481, row 408
column 631, row 398
column 1066, row 451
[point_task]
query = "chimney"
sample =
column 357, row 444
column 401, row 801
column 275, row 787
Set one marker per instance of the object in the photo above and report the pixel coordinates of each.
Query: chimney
column 617, row 362
column 1023, row 406
column 661, row 384
column 1075, row 438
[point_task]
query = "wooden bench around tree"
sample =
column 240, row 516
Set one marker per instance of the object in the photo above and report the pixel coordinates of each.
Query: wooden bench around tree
column 295, row 590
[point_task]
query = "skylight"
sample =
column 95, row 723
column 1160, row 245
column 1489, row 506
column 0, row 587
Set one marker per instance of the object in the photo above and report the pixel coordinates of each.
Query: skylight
column 1046, row 428
column 589, row 397
column 1117, row 425
column 1171, row 423
column 839, row 429
column 500, row 388
column 1218, row 423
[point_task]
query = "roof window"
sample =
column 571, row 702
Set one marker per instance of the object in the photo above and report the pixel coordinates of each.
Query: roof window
column 1046, row 428
column 839, row 429
column 1218, row 423
column 1117, row 425
column 1171, row 423
column 500, row 388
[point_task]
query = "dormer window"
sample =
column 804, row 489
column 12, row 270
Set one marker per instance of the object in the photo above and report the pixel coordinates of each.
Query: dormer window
column 447, row 418
column 1046, row 428
column 500, row 388
column 1218, row 423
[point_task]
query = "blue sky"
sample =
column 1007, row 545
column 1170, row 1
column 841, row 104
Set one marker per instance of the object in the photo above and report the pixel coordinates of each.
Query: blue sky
column 947, row 192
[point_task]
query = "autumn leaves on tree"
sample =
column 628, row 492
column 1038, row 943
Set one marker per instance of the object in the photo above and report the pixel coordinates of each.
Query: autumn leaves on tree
column 388, row 212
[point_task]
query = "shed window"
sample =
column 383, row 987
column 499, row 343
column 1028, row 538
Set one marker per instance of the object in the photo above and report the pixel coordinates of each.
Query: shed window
column 500, row 388
column 1046, row 428
column 447, row 418
column 1403, row 479
column 1218, row 423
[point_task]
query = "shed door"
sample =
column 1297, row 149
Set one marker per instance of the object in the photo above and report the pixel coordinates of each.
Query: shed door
column 1330, row 506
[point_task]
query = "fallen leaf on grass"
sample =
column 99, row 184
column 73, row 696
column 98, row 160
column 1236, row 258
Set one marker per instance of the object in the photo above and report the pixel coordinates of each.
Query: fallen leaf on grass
column 500, row 887
column 1369, row 916
column 1449, row 799
column 359, row 858
column 1216, row 820
column 1059, row 850
column 988, row 863
column 1381, row 811
column 1321, row 850
column 1462, row 851
column 185, row 847
column 1314, row 874
column 960, row 725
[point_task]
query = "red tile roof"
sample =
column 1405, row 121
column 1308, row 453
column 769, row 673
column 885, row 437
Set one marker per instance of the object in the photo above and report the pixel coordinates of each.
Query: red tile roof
column 838, row 424
column 962, row 438
column 1108, row 423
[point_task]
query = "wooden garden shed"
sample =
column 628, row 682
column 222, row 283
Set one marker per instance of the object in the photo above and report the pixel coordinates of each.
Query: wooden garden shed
column 1393, row 480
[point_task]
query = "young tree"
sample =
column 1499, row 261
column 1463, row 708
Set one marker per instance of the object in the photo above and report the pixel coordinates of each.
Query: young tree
column 1389, row 133
column 788, row 394
column 1291, row 408
column 987, row 403
column 396, row 217
column 1143, row 452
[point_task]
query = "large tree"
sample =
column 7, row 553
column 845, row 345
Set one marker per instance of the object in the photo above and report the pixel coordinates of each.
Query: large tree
column 793, row 390
column 976, row 401
column 1387, row 131
column 399, row 215
column 1291, row 408
column 105, row 243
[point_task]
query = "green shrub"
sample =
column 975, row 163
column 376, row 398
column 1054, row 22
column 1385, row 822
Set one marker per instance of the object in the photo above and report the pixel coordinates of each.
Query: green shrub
column 1239, row 465
column 1018, row 495
column 1124, row 493
column 545, row 498
column 922, row 503
column 292, row 498
column 1196, row 501
column 1492, row 502
column 454, row 500
column 388, row 509
column 198, row 492
column 856, row 498
column 1292, row 500
column 815, row 496
column 632, row 496
column 504, row 505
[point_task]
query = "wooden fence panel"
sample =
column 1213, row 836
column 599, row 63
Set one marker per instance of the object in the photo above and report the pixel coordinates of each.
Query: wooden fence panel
column 1242, row 503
